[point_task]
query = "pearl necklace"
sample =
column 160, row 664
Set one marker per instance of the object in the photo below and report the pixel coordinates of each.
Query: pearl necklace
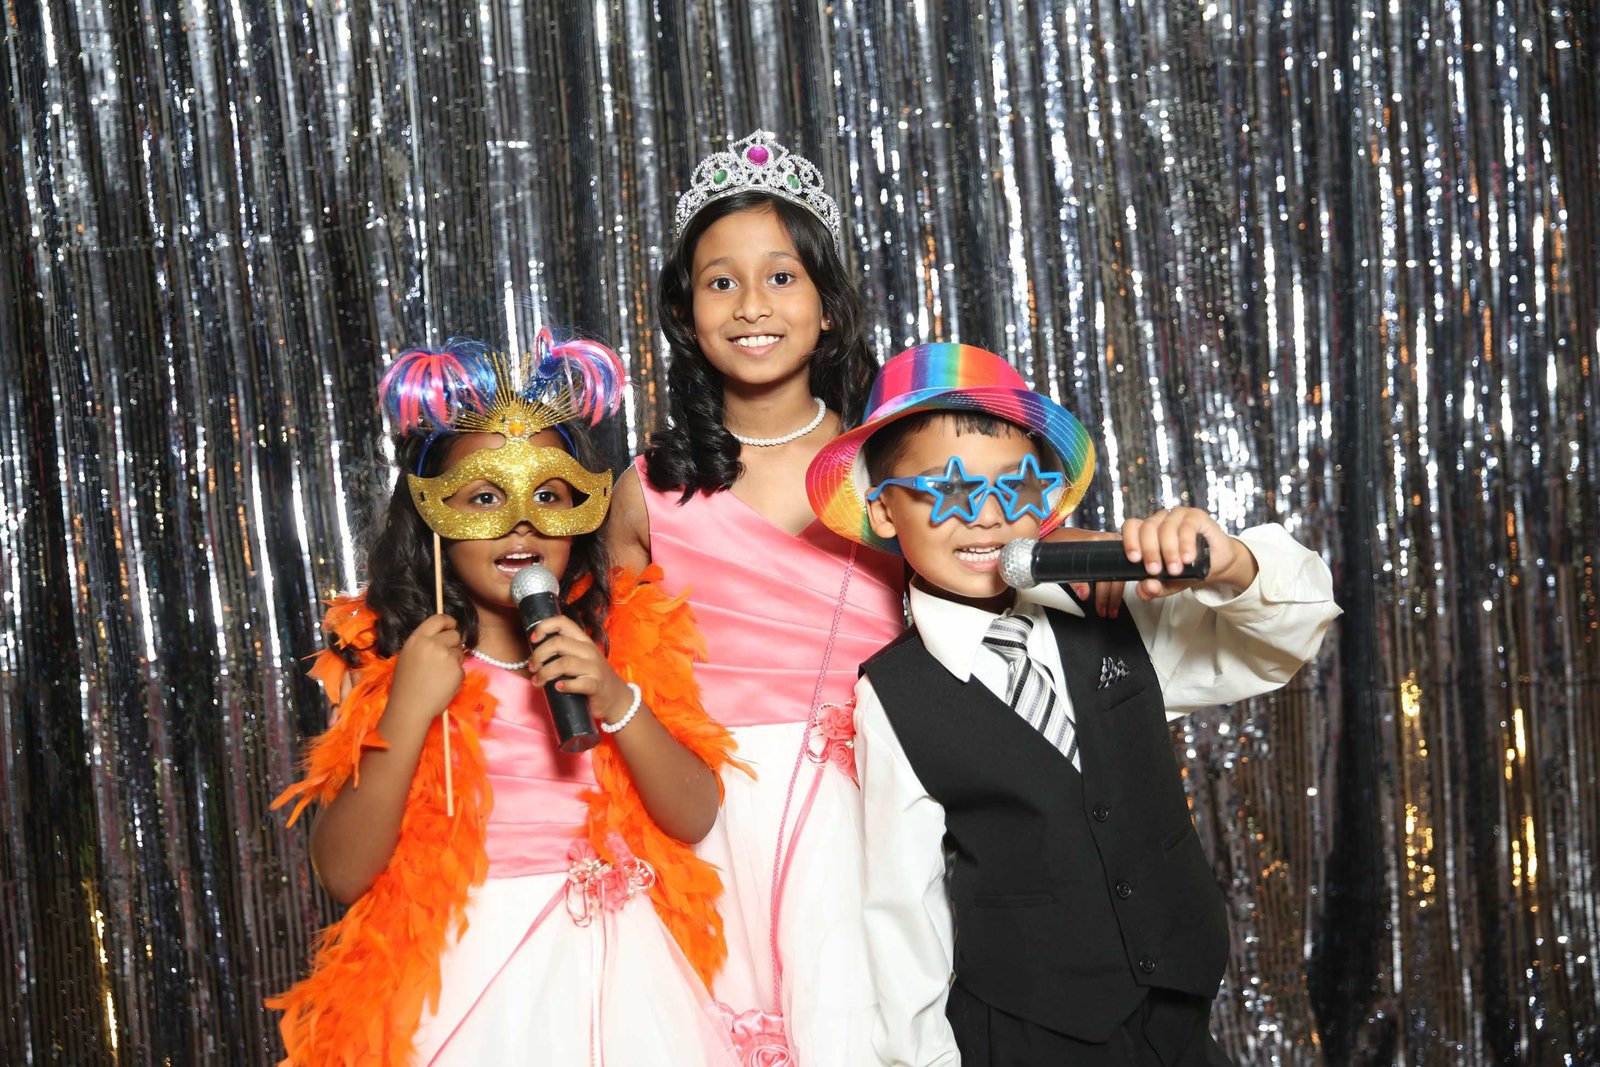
column 502, row 664
column 768, row 442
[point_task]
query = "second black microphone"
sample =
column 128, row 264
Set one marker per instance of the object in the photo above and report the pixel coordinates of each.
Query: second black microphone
column 535, row 589
column 1025, row 562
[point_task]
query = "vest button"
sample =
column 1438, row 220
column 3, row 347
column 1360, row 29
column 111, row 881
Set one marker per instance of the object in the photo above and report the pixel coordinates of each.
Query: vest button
column 1124, row 890
column 1101, row 813
column 1147, row 965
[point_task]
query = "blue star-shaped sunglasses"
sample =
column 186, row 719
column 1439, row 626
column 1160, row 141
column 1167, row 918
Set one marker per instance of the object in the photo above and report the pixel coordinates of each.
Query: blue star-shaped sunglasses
column 957, row 494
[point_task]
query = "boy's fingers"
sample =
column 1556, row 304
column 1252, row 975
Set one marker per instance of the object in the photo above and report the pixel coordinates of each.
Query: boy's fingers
column 1202, row 528
column 1172, row 544
column 1130, row 539
column 1182, row 546
column 1186, row 543
column 1150, row 544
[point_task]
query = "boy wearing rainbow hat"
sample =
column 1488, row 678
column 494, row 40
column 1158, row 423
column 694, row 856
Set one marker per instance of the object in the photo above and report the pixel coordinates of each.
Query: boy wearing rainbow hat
column 1026, row 827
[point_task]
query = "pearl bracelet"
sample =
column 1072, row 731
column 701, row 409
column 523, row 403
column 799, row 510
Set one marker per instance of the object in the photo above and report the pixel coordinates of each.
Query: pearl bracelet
column 633, row 709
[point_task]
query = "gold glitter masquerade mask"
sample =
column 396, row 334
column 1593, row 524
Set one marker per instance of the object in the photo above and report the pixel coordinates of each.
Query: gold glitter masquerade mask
column 518, row 470
column 466, row 388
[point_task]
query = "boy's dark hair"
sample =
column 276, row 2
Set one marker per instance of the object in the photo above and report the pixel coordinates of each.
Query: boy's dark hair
column 884, row 448
column 400, row 556
column 694, row 451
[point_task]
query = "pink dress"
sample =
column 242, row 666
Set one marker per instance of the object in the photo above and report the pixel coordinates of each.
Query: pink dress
column 764, row 601
column 525, row 982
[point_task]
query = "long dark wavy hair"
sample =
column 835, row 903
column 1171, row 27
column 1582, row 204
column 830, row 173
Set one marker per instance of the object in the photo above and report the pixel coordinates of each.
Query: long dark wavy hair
column 400, row 556
column 694, row 451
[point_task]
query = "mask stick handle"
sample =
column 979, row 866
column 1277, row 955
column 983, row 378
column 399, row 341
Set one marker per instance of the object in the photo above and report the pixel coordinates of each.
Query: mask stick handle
column 438, row 607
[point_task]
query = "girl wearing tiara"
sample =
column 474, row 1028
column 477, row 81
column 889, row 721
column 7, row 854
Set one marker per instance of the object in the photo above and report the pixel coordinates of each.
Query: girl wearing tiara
column 769, row 363
column 510, row 898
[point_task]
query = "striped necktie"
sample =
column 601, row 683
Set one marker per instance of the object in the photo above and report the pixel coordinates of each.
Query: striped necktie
column 1028, row 688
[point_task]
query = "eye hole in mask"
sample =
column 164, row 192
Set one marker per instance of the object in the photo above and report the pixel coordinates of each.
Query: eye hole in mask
column 523, row 483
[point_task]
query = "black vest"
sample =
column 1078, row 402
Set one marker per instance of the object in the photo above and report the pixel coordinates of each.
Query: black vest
column 1071, row 891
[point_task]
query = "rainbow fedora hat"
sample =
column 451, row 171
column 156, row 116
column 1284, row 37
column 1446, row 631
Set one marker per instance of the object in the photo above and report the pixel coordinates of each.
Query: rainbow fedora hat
column 943, row 377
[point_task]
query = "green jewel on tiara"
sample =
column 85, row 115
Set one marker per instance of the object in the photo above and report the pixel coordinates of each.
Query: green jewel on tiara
column 758, row 163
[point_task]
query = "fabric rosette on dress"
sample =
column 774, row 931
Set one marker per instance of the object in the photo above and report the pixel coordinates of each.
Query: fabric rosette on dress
column 592, row 979
column 758, row 1037
column 594, row 885
column 832, row 741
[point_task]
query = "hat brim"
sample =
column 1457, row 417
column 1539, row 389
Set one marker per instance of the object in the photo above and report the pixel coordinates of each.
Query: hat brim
column 837, row 481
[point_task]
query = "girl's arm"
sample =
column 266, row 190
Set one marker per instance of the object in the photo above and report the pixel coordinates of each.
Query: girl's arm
column 355, row 835
column 627, row 528
column 678, row 790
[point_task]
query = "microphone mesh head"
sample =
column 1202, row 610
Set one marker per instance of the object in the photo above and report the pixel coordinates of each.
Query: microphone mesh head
column 533, row 579
column 1016, row 563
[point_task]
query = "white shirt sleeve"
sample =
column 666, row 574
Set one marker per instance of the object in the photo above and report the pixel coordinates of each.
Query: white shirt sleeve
column 1210, row 648
column 909, row 928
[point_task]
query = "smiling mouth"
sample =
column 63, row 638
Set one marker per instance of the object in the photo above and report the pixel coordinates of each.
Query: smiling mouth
column 980, row 557
column 512, row 562
column 758, row 340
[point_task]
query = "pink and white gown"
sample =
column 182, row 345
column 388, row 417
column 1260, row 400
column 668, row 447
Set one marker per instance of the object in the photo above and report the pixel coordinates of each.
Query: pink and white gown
column 764, row 600
column 525, row 983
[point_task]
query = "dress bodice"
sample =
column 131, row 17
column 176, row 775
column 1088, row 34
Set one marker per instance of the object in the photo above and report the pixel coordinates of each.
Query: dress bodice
column 538, row 810
column 764, row 600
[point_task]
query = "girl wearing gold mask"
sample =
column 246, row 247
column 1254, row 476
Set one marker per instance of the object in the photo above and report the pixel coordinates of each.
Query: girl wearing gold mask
column 507, row 899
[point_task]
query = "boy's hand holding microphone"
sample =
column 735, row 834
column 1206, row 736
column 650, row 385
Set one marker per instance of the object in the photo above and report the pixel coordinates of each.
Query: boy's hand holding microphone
column 1165, row 552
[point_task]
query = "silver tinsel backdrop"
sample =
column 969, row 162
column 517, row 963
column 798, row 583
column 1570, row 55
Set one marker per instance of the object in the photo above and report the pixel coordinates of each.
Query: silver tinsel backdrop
column 1326, row 263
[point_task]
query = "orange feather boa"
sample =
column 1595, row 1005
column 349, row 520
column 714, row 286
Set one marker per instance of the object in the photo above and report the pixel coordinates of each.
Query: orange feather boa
column 377, row 968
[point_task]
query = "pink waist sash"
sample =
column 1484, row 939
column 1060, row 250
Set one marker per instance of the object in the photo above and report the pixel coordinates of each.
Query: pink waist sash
column 519, row 849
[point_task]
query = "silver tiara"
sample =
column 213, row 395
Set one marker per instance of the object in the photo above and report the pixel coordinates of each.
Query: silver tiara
column 758, row 163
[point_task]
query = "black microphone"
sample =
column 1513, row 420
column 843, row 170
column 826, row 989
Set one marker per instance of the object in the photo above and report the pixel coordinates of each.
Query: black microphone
column 1025, row 562
column 534, row 589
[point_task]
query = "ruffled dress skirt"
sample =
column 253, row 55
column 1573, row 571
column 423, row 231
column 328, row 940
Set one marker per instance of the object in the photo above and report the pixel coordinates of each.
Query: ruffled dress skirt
column 615, row 992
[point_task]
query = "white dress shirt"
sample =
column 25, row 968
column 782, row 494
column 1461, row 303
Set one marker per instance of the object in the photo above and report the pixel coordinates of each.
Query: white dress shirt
column 1207, row 647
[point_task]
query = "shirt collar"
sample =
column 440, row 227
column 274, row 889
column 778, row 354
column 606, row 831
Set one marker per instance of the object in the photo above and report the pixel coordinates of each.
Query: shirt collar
column 953, row 632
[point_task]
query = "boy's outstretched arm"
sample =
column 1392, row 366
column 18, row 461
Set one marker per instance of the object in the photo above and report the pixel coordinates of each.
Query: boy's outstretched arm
column 1258, row 617
column 1164, row 539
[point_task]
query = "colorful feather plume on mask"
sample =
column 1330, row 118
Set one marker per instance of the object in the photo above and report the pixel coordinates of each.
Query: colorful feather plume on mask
column 468, row 387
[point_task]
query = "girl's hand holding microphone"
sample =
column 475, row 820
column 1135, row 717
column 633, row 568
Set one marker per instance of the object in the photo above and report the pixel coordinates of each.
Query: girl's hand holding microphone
column 677, row 787
column 565, row 655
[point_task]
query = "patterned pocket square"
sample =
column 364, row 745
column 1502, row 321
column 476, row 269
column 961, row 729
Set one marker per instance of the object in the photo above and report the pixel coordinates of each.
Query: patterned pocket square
column 1112, row 671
